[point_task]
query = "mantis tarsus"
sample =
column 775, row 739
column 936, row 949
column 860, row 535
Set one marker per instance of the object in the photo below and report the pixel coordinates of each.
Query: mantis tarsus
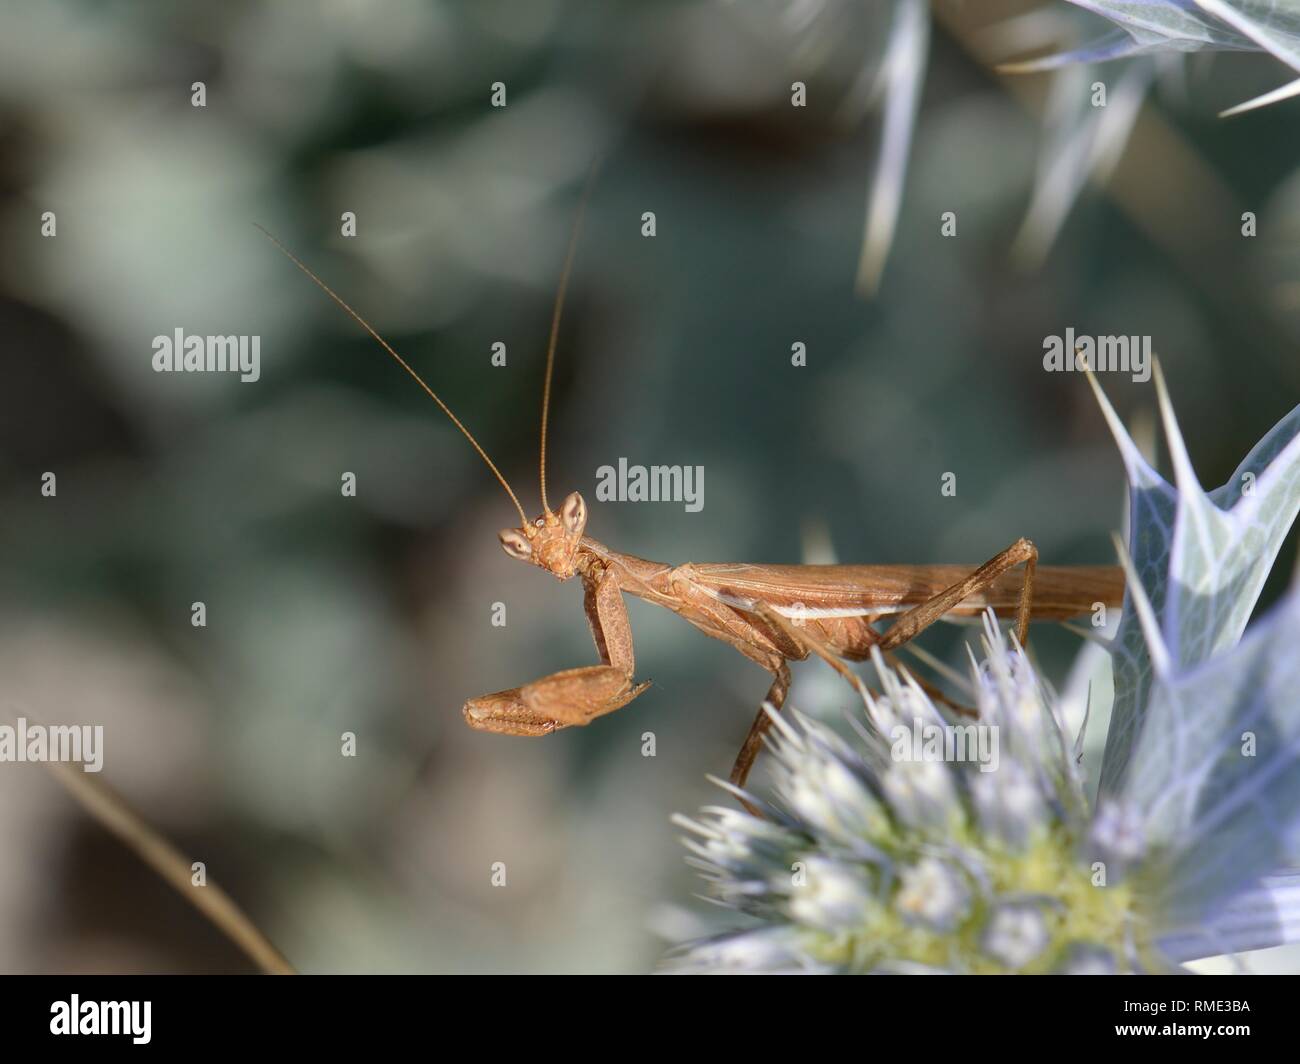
column 772, row 614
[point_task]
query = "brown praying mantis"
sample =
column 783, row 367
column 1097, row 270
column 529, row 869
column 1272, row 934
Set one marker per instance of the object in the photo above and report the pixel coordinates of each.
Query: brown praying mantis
column 772, row 614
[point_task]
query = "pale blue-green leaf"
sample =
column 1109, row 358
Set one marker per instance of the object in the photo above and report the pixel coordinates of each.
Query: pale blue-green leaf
column 1144, row 26
column 1116, row 44
column 1265, row 915
column 1151, row 507
column 1215, row 771
column 1202, row 561
column 1273, row 28
column 1273, row 25
column 1175, row 21
column 1221, row 557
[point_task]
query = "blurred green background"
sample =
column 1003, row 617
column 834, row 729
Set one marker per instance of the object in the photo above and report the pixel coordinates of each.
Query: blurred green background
column 373, row 614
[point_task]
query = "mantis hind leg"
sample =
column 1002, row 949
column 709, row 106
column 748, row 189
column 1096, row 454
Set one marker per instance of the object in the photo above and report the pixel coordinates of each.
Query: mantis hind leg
column 754, row 740
column 905, row 628
column 919, row 618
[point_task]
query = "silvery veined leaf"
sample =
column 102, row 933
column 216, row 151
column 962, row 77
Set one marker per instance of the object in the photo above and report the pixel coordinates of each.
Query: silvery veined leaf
column 1271, row 25
column 1201, row 560
column 1117, row 44
column 1266, row 914
column 1215, row 777
column 1143, row 26
column 1178, row 24
column 1274, row 27
column 1140, row 28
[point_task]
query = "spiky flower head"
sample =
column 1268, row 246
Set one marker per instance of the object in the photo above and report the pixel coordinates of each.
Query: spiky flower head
column 933, row 842
column 928, row 841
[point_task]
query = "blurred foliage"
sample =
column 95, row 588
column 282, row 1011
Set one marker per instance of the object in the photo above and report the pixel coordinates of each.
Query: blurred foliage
column 373, row 614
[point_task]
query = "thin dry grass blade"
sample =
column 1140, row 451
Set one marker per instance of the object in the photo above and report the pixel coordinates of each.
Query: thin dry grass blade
column 119, row 818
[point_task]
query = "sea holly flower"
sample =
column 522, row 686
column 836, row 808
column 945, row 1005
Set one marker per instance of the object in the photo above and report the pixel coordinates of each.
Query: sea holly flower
column 1016, row 934
column 962, row 870
column 933, row 894
column 869, row 859
column 1117, row 834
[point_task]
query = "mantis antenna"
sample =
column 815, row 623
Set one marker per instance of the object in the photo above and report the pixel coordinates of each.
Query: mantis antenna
column 523, row 517
column 555, row 321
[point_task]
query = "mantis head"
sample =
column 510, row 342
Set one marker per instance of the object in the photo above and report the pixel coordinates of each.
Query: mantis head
column 551, row 542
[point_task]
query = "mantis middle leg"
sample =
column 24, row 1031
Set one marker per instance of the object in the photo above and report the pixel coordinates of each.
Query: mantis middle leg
column 906, row 627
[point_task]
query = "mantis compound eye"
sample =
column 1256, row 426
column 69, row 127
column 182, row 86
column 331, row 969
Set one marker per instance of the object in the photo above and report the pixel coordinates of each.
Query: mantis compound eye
column 573, row 512
column 516, row 545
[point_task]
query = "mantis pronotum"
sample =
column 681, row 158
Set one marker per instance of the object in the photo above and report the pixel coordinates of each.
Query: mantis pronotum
column 772, row 614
